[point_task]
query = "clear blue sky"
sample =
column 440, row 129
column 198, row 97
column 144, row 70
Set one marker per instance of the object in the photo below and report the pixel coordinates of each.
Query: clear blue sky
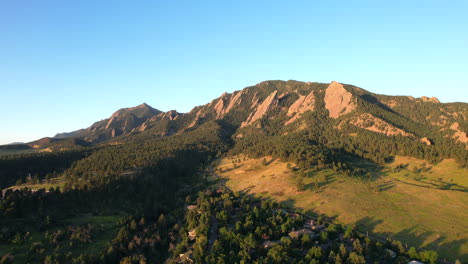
column 66, row 64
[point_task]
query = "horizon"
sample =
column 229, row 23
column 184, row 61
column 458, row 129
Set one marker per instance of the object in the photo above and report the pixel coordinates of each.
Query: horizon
column 67, row 65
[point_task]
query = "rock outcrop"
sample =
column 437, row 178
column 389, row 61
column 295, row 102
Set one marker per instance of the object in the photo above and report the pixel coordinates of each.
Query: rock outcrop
column 219, row 107
column 269, row 103
column 430, row 100
column 169, row 115
column 426, row 141
column 375, row 124
column 232, row 100
column 290, row 100
column 459, row 135
column 198, row 116
column 122, row 122
column 300, row 106
column 338, row 101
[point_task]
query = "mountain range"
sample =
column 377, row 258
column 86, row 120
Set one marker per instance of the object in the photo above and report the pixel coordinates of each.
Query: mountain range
column 288, row 102
column 124, row 188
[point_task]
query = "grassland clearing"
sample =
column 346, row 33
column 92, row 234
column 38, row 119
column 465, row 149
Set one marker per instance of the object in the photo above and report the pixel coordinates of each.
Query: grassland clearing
column 404, row 204
column 58, row 182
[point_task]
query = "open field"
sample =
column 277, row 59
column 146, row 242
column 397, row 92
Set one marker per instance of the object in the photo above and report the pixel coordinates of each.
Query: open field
column 427, row 209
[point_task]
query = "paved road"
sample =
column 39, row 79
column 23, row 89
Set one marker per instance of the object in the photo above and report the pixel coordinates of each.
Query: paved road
column 213, row 232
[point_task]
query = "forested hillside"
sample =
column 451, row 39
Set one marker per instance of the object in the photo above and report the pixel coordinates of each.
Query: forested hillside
column 117, row 192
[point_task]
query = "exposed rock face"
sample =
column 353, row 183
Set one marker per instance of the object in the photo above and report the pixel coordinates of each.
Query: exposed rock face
column 198, row 117
column 391, row 103
column 254, row 101
column 122, row 122
column 338, row 100
column 219, row 107
column 269, row 103
column 375, row 124
column 169, row 115
column 426, row 141
column 300, row 106
column 459, row 135
column 126, row 119
column 430, row 100
column 291, row 99
column 113, row 133
column 455, row 126
column 234, row 100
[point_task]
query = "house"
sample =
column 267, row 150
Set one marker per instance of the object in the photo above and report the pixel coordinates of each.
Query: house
column 185, row 258
column 309, row 223
column 268, row 244
column 191, row 207
column 192, row 234
column 296, row 234
column 391, row 253
column 293, row 215
column 318, row 227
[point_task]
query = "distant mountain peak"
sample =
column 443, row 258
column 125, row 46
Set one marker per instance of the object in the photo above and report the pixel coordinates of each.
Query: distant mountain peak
column 143, row 105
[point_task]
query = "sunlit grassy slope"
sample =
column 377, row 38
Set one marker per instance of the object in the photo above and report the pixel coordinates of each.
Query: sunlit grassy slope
column 45, row 184
column 404, row 204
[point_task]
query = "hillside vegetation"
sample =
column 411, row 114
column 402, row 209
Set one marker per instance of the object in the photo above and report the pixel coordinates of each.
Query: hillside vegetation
column 425, row 208
column 392, row 165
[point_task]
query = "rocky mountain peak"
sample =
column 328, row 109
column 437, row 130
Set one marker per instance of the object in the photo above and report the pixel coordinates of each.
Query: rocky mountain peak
column 430, row 100
column 338, row 100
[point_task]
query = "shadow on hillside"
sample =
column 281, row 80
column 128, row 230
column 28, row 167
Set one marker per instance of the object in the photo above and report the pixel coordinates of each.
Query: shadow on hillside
column 371, row 99
column 317, row 186
column 415, row 237
column 434, row 186
column 449, row 250
column 233, row 167
column 291, row 204
column 386, row 186
column 368, row 223
column 288, row 203
column 218, row 180
column 270, row 161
